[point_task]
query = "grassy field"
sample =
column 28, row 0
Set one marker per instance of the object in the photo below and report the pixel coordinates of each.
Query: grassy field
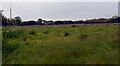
column 0, row 45
column 73, row 44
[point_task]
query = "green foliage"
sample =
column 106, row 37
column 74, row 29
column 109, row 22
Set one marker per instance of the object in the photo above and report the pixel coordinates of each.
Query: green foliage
column 66, row 34
column 10, row 22
column 60, row 45
column 9, row 48
column 13, row 34
column 32, row 32
column 45, row 32
column 18, row 20
column 73, row 25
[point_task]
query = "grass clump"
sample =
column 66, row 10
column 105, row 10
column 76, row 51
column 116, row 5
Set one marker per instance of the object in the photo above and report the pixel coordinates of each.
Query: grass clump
column 66, row 34
column 73, row 26
column 32, row 32
column 83, row 37
column 45, row 32
column 13, row 34
column 24, row 38
column 9, row 48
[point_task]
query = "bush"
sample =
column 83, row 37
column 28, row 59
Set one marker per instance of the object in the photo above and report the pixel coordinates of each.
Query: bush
column 66, row 34
column 45, row 32
column 73, row 25
column 32, row 32
column 24, row 38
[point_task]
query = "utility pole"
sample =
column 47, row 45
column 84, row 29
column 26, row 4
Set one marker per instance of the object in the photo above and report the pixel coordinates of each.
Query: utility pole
column 10, row 13
column 10, row 9
column 119, row 8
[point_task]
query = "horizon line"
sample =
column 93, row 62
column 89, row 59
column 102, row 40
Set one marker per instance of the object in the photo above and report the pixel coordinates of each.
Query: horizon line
column 68, row 19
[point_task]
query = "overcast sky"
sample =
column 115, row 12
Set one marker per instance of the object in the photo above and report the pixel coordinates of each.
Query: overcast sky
column 60, row 10
column 61, row 0
column 56, row 11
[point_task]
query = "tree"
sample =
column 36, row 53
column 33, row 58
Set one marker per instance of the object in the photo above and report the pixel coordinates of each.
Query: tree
column 18, row 20
column 5, row 21
column 39, row 21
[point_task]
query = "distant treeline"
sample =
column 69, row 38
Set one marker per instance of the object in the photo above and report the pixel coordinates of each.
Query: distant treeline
column 17, row 21
column 93, row 21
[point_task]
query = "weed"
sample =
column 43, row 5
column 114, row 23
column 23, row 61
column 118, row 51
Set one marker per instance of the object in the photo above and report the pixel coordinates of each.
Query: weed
column 73, row 25
column 66, row 34
column 45, row 32
column 83, row 37
column 24, row 38
column 32, row 32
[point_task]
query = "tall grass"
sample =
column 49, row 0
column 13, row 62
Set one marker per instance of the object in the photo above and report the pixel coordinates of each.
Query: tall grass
column 60, row 45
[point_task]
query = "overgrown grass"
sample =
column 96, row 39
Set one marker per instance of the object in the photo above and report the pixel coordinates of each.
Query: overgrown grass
column 60, row 45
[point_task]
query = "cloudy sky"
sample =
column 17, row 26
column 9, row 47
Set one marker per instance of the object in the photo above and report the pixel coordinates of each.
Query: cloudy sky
column 61, row 0
column 34, row 9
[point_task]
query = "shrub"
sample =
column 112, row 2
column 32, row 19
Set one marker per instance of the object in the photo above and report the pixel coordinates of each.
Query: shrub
column 27, row 43
column 73, row 25
column 66, row 34
column 24, row 38
column 32, row 32
column 45, row 32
